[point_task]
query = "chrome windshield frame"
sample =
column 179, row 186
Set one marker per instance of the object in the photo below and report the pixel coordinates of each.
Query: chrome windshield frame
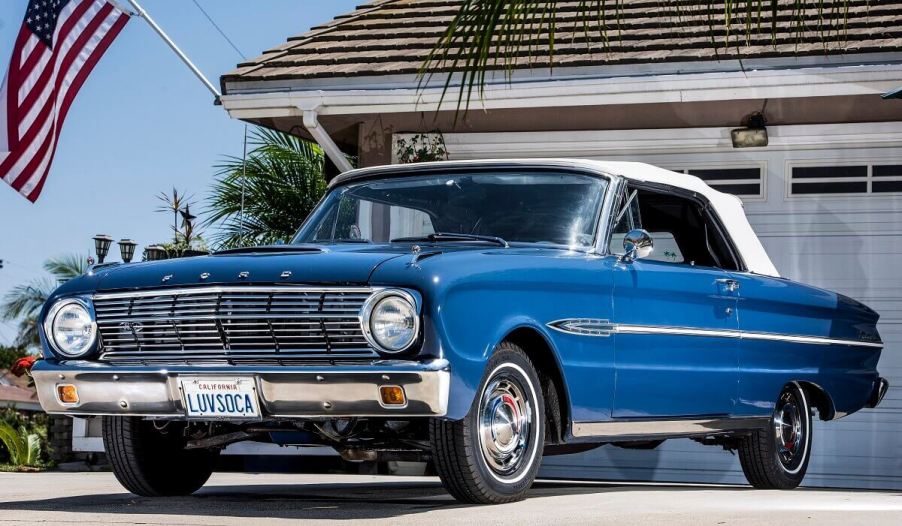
column 602, row 216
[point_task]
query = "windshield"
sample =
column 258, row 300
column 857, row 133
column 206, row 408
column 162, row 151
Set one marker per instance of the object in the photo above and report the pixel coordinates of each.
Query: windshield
column 542, row 207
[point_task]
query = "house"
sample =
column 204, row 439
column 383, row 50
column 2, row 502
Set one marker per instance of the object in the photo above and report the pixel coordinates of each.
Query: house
column 824, row 194
column 15, row 393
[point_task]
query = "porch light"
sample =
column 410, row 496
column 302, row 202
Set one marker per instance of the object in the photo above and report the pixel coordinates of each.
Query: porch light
column 127, row 249
column 754, row 135
column 102, row 244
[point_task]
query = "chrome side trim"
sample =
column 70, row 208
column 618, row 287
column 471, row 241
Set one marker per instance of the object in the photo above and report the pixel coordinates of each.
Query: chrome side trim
column 667, row 428
column 604, row 328
column 583, row 326
column 814, row 340
column 224, row 289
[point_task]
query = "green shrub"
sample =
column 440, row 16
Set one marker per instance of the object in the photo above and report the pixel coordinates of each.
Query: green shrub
column 20, row 433
column 22, row 447
column 9, row 355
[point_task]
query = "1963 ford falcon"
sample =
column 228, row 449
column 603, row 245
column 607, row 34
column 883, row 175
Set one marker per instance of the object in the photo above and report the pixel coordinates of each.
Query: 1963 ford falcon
column 473, row 314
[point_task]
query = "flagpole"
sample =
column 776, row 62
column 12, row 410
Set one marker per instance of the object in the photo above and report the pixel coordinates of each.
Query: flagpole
column 143, row 14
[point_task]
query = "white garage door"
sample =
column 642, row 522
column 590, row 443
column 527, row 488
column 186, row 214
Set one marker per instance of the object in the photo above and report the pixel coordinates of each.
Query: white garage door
column 827, row 204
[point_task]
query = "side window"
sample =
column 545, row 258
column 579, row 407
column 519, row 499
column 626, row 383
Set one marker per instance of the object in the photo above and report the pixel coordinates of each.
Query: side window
column 683, row 230
column 627, row 219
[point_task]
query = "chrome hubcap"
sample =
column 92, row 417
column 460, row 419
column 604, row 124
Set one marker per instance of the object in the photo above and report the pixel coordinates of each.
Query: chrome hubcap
column 504, row 425
column 789, row 431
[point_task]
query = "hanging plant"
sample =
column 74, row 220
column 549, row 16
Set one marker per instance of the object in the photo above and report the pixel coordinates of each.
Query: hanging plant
column 422, row 147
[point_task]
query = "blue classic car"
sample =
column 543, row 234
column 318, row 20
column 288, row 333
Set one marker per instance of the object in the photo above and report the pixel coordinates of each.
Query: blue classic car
column 476, row 315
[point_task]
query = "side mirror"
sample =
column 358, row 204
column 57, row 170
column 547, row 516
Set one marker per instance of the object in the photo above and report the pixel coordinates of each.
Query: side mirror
column 637, row 245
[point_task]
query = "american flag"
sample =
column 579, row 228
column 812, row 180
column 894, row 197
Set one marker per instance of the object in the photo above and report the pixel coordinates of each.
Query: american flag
column 58, row 45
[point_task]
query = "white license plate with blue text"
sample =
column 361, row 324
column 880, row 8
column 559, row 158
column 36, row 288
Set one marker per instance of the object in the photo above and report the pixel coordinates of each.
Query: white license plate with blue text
column 220, row 398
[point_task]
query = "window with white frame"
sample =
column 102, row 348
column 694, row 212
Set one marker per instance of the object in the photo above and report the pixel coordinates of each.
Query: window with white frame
column 742, row 181
column 845, row 179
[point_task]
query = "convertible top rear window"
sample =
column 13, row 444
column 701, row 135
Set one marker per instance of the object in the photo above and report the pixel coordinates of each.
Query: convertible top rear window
column 528, row 207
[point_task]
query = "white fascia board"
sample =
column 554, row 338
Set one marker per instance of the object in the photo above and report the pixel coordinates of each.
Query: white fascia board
column 695, row 87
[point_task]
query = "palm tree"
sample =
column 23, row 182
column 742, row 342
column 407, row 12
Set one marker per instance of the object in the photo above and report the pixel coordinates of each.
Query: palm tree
column 280, row 184
column 24, row 302
column 487, row 35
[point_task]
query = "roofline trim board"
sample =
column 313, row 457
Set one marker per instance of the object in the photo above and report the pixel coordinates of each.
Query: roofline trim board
column 674, row 88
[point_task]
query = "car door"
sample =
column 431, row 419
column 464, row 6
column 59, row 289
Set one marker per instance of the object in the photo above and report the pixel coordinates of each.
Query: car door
column 676, row 340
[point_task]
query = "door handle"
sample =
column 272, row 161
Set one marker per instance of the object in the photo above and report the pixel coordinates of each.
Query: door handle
column 730, row 284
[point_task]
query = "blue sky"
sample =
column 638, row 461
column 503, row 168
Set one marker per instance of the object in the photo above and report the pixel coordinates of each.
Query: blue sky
column 141, row 124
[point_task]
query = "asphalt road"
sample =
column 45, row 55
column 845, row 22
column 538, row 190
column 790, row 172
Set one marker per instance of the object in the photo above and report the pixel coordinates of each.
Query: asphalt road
column 245, row 499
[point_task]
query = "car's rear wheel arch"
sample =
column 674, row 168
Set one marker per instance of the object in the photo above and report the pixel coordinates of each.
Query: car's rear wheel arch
column 818, row 398
column 554, row 387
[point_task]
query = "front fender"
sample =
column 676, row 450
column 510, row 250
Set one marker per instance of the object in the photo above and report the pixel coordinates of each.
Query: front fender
column 473, row 300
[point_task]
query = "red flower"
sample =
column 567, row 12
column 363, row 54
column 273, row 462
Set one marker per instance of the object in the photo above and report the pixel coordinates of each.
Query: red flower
column 23, row 365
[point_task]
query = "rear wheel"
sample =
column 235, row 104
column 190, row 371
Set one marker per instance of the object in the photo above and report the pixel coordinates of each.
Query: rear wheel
column 150, row 459
column 493, row 454
column 777, row 457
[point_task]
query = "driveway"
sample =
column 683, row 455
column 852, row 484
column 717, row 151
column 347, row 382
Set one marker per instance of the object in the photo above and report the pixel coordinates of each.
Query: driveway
column 244, row 499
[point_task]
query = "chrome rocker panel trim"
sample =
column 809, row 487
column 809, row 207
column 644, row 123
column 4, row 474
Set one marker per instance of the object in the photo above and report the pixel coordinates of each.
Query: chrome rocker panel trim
column 667, row 428
column 604, row 328
column 284, row 391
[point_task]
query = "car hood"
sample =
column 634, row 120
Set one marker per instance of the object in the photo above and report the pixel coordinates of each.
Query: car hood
column 297, row 265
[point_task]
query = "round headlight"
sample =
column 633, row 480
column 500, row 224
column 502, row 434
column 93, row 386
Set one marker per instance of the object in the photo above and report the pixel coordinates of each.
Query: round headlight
column 390, row 321
column 70, row 328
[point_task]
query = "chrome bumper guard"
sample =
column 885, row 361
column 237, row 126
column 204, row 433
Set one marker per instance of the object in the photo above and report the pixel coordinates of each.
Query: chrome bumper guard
column 284, row 391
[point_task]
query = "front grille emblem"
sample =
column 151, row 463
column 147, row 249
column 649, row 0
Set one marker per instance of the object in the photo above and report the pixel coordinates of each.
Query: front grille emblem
column 204, row 275
column 243, row 274
column 285, row 274
column 166, row 278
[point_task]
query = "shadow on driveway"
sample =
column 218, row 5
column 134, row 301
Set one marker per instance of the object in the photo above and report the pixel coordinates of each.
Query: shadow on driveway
column 338, row 501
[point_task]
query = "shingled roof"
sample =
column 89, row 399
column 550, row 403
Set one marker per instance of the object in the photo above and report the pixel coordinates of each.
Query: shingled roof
column 392, row 37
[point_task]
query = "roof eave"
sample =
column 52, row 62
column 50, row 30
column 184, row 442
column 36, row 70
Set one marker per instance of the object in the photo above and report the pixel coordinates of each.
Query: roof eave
column 374, row 96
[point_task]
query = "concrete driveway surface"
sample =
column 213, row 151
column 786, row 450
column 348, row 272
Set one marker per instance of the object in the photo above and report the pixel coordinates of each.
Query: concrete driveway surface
column 244, row 499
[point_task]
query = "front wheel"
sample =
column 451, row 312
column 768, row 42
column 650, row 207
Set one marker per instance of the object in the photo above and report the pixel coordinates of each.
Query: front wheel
column 777, row 457
column 150, row 460
column 493, row 454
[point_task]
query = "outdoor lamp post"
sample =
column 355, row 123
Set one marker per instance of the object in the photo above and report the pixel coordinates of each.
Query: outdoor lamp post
column 127, row 249
column 102, row 244
column 155, row 253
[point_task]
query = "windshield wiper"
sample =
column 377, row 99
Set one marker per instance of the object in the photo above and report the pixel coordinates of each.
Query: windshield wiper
column 452, row 236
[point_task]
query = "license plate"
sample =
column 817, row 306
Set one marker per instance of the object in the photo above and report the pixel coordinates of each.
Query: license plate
column 220, row 398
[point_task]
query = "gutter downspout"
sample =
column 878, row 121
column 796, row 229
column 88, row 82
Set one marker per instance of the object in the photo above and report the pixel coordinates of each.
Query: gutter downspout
column 325, row 142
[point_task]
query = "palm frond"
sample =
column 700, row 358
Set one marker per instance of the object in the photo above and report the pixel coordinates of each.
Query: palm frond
column 67, row 267
column 26, row 299
column 282, row 181
column 486, row 36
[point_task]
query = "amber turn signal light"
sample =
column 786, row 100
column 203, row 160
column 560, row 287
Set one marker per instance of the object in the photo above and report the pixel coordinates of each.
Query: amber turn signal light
column 67, row 394
column 392, row 395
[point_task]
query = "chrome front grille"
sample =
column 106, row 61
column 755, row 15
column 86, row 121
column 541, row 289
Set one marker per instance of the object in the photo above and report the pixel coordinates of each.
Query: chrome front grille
column 233, row 324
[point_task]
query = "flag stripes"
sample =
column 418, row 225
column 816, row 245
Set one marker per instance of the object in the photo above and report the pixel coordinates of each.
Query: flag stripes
column 46, row 71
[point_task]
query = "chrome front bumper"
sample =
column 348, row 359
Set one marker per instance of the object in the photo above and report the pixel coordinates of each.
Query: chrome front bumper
column 284, row 391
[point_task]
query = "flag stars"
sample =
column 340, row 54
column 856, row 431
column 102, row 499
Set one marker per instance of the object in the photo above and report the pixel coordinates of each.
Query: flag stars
column 42, row 18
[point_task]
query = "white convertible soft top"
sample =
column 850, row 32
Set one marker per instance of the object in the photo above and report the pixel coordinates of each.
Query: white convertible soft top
column 728, row 207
